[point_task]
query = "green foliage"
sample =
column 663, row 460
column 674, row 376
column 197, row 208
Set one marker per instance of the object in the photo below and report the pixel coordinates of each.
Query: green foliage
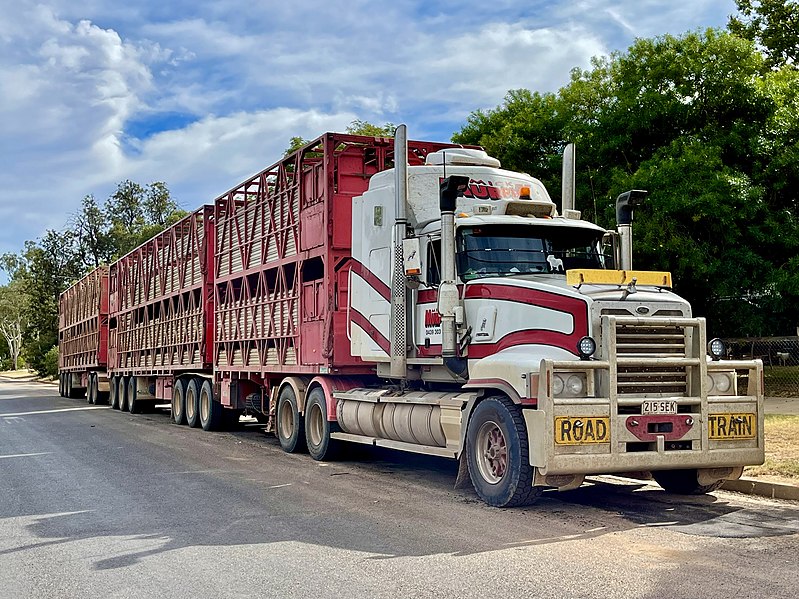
column 703, row 123
column 359, row 127
column 774, row 24
column 135, row 213
column 50, row 363
column 94, row 236
column 295, row 143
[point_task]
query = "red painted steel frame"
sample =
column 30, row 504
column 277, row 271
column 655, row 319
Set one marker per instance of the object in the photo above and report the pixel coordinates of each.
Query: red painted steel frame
column 83, row 324
column 162, row 301
column 283, row 248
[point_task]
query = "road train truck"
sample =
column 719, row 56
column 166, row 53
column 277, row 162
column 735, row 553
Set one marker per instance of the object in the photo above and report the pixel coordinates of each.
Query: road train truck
column 417, row 296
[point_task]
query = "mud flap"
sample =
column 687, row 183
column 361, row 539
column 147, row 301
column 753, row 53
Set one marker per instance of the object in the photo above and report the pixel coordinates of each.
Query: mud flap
column 463, row 481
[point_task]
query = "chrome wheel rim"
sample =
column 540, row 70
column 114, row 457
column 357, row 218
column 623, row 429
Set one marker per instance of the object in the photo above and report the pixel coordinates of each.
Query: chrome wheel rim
column 492, row 452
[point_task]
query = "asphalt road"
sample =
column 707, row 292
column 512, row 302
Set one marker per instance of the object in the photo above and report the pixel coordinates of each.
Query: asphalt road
column 96, row 503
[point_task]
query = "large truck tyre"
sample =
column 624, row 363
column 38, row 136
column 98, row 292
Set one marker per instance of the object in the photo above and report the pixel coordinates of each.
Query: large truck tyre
column 179, row 402
column 91, row 389
column 497, row 454
column 61, row 384
column 134, row 405
column 193, row 402
column 72, row 391
column 290, row 430
column 318, row 427
column 683, row 482
column 211, row 418
column 123, row 393
column 113, row 393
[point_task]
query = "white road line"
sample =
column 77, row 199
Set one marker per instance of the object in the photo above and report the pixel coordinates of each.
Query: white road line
column 54, row 411
column 25, row 455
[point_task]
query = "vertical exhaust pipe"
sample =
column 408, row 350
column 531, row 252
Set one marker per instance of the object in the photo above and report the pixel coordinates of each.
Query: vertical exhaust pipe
column 398, row 325
column 568, row 179
column 448, row 297
column 625, row 205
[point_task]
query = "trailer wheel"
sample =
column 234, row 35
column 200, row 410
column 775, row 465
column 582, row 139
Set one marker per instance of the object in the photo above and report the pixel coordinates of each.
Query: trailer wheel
column 318, row 427
column 193, row 402
column 290, row 430
column 210, row 410
column 683, row 482
column 179, row 402
column 113, row 393
column 497, row 454
column 134, row 405
column 91, row 389
column 61, row 384
column 123, row 393
column 74, row 392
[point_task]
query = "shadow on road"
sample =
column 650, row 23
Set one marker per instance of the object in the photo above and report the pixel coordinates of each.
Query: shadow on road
column 240, row 489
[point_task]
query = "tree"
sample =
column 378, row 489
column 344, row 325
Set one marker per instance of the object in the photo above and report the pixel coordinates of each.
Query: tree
column 359, row 127
column 95, row 245
column 45, row 268
column 774, row 24
column 13, row 318
column 701, row 122
column 135, row 213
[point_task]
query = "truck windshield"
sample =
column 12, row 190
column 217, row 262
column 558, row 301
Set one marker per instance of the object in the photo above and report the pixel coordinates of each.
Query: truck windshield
column 501, row 250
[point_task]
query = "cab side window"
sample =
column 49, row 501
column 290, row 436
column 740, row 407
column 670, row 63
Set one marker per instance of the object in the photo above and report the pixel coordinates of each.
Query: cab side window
column 434, row 262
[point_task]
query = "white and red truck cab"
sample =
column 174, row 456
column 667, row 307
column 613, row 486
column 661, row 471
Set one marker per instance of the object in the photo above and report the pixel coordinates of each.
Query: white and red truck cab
column 521, row 340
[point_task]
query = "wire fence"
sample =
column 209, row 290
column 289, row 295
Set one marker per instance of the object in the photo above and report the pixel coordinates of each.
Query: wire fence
column 780, row 357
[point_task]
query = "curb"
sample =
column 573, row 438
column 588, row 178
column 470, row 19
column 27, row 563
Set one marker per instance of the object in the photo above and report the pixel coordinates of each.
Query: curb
column 772, row 490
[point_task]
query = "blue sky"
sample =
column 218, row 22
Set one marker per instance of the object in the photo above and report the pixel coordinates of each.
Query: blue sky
column 202, row 94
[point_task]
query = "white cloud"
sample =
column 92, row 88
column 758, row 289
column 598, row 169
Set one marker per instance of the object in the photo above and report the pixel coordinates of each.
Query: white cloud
column 202, row 94
column 208, row 157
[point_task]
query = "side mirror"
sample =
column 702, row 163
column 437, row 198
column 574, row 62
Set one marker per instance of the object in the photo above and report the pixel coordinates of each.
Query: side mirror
column 412, row 256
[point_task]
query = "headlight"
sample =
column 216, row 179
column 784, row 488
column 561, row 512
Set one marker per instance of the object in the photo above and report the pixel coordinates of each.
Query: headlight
column 574, row 385
column 721, row 383
column 568, row 384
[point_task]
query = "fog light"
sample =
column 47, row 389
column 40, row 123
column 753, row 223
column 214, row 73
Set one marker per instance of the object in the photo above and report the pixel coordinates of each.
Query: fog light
column 717, row 349
column 586, row 347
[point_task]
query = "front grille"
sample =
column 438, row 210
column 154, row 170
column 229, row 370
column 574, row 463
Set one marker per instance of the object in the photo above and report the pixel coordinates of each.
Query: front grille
column 651, row 340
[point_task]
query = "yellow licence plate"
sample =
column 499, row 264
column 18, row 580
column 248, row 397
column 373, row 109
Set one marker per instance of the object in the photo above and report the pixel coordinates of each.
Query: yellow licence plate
column 581, row 430
column 728, row 427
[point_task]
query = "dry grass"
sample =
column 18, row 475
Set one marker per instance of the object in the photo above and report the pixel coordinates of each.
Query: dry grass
column 782, row 449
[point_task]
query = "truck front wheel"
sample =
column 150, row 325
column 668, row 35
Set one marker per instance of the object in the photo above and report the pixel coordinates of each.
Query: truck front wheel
column 683, row 482
column 497, row 454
